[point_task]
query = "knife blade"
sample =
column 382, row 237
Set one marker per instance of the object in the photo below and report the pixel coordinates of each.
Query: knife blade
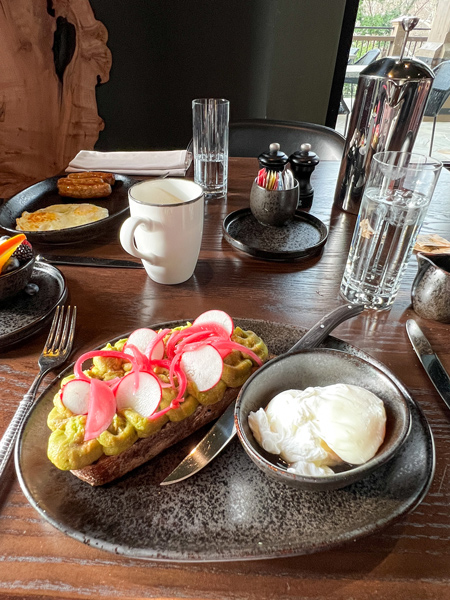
column 223, row 431
column 208, row 448
column 430, row 362
column 91, row 261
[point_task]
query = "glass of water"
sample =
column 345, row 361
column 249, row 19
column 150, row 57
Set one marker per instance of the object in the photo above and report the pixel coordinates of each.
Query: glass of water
column 396, row 198
column 210, row 118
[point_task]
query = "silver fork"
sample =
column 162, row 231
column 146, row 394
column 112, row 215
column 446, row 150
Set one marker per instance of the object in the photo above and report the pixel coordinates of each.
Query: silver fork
column 56, row 351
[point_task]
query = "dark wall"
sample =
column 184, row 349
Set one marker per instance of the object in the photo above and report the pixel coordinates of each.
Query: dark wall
column 270, row 58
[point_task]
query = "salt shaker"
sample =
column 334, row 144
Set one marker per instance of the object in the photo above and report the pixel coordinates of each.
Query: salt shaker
column 303, row 163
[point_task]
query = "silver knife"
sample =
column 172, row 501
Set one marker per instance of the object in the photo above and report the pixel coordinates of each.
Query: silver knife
column 91, row 261
column 220, row 434
column 223, row 431
column 430, row 362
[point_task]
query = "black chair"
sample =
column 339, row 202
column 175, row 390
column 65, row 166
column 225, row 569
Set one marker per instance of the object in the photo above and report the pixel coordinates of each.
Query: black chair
column 368, row 57
column 440, row 91
column 253, row 136
column 344, row 110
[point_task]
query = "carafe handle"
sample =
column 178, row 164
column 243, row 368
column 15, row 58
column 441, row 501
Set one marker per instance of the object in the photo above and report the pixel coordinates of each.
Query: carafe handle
column 424, row 264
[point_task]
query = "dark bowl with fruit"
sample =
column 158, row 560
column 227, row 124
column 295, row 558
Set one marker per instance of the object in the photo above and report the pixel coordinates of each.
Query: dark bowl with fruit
column 16, row 265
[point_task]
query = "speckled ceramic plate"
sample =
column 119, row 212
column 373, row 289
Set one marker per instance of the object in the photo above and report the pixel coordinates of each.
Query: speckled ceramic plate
column 45, row 193
column 23, row 315
column 230, row 510
column 301, row 238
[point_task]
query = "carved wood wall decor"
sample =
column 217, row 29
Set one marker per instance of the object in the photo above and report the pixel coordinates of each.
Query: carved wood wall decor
column 54, row 53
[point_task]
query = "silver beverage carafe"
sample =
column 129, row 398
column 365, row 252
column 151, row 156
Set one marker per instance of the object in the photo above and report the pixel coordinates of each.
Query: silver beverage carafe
column 389, row 104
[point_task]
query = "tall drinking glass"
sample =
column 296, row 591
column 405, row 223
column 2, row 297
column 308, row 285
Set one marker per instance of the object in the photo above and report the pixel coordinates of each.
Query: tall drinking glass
column 210, row 118
column 396, row 198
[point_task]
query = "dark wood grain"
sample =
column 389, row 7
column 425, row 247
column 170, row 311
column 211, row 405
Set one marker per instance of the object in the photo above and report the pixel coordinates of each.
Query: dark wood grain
column 408, row 560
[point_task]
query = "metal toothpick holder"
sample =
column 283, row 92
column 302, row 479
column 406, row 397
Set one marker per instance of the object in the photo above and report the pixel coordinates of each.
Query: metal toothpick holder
column 389, row 104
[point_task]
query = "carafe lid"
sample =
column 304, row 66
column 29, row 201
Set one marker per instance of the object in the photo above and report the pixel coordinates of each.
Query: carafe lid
column 394, row 68
column 398, row 67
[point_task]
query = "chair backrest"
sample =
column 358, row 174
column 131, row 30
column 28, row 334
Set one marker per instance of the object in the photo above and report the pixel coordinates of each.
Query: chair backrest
column 343, row 107
column 251, row 137
column 368, row 57
column 440, row 89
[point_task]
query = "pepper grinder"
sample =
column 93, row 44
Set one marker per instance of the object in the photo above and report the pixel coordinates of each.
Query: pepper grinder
column 274, row 160
column 303, row 163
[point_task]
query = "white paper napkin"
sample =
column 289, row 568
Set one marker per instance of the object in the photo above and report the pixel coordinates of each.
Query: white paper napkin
column 173, row 162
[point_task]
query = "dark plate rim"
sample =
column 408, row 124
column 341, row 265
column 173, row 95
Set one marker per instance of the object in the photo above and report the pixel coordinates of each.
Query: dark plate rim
column 27, row 331
column 282, row 256
column 145, row 554
column 46, row 236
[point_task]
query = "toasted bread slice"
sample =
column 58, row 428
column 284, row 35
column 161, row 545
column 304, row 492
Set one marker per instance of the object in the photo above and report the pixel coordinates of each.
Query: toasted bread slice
column 108, row 468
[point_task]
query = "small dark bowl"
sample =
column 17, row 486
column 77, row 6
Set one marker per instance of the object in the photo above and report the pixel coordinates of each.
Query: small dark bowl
column 273, row 207
column 320, row 367
column 11, row 283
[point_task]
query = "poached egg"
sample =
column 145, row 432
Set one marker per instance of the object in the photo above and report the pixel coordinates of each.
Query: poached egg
column 321, row 427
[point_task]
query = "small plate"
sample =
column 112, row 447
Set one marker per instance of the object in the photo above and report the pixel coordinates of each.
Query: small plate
column 230, row 510
column 302, row 238
column 23, row 315
column 45, row 193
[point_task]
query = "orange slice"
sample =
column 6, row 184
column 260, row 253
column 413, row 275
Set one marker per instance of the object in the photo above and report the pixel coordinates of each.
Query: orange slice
column 8, row 247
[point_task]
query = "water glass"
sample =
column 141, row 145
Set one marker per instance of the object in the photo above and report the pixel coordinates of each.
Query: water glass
column 396, row 198
column 210, row 137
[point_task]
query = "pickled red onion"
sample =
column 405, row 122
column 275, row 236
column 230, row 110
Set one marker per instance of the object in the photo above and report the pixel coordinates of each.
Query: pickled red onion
column 207, row 328
column 155, row 341
column 235, row 346
column 141, row 358
column 107, row 354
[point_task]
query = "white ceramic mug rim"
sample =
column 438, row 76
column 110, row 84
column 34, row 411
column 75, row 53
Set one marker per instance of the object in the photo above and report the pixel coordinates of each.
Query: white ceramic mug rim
column 181, row 203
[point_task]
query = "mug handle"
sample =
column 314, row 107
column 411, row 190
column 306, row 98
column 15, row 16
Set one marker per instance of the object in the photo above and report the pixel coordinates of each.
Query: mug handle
column 127, row 237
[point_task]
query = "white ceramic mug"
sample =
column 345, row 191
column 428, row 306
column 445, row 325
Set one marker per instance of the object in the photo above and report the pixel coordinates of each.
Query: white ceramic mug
column 165, row 228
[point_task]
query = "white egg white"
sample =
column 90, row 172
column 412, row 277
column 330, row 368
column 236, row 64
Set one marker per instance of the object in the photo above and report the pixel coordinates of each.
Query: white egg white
column 320, row 427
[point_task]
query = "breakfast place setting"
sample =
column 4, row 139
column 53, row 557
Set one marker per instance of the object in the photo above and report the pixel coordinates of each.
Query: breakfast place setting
column 225, row 371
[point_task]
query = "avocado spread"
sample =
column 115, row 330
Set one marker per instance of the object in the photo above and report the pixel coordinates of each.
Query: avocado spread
column 67, row 448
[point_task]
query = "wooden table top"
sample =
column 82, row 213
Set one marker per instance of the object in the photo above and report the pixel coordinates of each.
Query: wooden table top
column 409, row 559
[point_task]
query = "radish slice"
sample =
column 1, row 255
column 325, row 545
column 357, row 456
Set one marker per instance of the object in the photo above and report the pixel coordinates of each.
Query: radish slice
column 102, row 408
column 75, row 396
column 141, row 338
column 216, row 316
column 145, row 399
column 203, row 367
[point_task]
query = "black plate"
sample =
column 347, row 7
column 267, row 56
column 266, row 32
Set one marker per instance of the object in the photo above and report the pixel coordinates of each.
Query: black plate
column 230, row 510
column 22, row 315
column 301, row 238
column 45, row 193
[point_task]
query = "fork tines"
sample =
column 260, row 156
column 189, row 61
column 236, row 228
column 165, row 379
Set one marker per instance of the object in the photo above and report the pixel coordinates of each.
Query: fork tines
column 62, row 330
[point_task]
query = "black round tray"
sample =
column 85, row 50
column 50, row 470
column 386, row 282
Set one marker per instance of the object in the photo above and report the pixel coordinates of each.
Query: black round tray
column 301, row 238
